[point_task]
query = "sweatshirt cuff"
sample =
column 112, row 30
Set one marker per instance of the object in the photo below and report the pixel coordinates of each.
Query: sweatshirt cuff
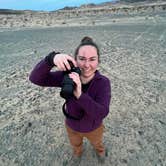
column 50, row 57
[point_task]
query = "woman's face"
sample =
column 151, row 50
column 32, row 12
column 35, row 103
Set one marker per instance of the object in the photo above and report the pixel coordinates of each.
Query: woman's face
column 87, row 60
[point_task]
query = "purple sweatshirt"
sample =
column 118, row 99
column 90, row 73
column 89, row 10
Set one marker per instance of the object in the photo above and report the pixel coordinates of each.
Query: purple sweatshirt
column 93, row 104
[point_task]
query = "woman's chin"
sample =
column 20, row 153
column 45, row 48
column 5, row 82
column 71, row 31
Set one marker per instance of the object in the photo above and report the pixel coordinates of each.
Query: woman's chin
column 87, row 75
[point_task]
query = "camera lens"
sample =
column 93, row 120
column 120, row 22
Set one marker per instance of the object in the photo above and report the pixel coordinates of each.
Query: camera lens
column 67, row 87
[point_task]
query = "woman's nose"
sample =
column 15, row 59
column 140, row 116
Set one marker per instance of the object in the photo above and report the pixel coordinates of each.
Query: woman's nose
column 86, row 64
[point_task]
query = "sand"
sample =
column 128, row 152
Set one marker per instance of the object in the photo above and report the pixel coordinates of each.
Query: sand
column 133, row 56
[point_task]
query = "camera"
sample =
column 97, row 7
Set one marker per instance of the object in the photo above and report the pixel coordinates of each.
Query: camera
column 68, row 84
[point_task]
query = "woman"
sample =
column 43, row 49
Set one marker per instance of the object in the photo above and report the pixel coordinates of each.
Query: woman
column 89, row 105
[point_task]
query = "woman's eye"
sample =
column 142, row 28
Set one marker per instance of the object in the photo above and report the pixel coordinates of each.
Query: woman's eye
column 92, row 59
column 82, row 59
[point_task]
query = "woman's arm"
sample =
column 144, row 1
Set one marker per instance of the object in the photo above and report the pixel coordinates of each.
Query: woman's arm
column 41, row 75
column 98, row 108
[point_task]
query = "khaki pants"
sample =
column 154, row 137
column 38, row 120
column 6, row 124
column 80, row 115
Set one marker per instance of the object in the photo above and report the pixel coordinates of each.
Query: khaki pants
column 95, row 137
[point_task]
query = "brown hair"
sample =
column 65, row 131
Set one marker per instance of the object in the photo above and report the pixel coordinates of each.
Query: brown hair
column 87, row 41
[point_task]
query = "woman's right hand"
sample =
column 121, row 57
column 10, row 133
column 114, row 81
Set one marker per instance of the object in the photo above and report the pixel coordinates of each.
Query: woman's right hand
column 61, row 61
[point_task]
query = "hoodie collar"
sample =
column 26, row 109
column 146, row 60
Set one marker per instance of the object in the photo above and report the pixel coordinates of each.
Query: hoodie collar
column 97, row 75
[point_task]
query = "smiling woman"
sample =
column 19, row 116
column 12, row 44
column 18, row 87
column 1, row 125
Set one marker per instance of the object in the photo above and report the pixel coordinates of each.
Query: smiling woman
column 46, row 5
column 89, row 101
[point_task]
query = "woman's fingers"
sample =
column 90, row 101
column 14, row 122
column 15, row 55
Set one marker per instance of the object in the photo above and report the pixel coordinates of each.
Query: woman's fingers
column 62, row 61
column 72, row 60
column 75, row 77
column 66, row 64
column 61, row 66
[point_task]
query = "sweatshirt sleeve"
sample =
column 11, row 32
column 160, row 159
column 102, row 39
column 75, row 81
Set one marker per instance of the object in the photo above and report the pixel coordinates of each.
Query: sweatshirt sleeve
column 98, row 108
column 41, row 75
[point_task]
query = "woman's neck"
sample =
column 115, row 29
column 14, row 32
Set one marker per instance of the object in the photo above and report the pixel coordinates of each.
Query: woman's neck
column 85, row 80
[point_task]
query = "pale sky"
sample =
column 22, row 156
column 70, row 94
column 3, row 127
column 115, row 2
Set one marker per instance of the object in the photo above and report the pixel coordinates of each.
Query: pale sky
column 47, row 5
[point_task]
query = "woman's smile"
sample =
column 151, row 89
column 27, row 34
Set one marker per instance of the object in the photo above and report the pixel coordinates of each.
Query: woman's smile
column 87, row 61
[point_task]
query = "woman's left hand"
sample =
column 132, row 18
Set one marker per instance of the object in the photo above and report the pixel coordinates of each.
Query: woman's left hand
column 76, row 78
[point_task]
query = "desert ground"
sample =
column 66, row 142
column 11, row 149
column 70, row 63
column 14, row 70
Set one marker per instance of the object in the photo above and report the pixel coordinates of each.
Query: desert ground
column 133, row 56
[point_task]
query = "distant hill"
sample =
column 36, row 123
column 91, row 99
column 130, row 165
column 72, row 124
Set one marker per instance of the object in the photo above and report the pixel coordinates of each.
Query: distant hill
column 9, row 11
column 87, row 6
column 133, row 1
column 86, row 13
column 111, row 3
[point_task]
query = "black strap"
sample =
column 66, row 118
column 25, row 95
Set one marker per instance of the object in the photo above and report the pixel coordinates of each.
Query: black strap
column 68, row 115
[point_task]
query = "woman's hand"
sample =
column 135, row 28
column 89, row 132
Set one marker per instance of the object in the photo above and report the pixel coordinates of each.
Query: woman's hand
column 75, row 77
column 61, row 61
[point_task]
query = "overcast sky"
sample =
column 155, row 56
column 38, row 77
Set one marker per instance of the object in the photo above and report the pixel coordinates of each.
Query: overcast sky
column 47, row 5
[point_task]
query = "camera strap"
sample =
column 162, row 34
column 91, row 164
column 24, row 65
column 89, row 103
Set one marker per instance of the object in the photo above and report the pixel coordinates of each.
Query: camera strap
column 68, row 115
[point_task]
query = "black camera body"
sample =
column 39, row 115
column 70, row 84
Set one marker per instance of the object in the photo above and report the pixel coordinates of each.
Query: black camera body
column 68, row 84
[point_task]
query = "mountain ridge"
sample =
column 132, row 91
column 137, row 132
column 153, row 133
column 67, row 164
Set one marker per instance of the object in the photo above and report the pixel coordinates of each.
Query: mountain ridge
column 86, row 5
column 86, row 14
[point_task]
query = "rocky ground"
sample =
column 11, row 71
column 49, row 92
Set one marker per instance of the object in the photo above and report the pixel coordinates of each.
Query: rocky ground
column 133, row 56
